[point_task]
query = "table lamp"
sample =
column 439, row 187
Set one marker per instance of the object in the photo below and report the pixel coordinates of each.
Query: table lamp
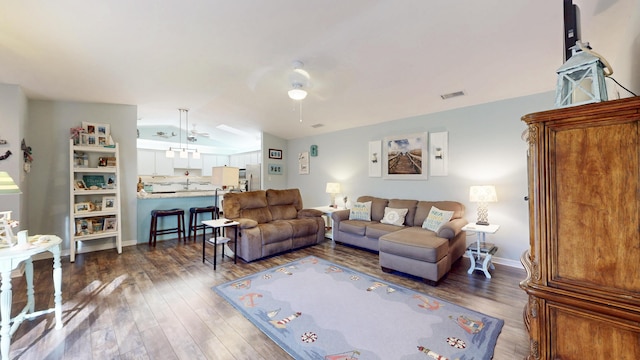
column 224, row 177
column 483, row 195
column 332, row 190
column 7, row 187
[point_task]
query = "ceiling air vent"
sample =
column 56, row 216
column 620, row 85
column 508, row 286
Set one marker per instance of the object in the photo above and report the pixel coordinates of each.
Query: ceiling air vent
column 452, row 95
column 315, row 126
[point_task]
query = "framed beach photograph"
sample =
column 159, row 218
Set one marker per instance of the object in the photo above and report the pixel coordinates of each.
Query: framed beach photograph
column 110, row 224
column 275, row 154
column 83, row 207
column 108, row 203
column 404, row 157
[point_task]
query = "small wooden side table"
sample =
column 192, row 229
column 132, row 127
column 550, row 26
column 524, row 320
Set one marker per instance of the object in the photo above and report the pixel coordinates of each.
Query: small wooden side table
column 219, row 224
column 481, row 252
column 10, row 258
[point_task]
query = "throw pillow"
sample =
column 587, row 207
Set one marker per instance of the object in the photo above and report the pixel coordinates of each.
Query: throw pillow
column 436, row 219
column 360, row 211
column 394, row 216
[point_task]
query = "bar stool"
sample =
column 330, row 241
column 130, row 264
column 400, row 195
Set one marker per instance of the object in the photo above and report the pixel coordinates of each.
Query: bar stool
column 154, row 231
column 193, row 219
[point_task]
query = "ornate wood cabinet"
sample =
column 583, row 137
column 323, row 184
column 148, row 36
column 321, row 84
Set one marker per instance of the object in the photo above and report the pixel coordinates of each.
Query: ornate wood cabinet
column 583, row 265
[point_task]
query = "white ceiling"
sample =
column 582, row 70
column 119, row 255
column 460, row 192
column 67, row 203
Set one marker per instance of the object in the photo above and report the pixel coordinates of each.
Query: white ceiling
column 230, row 62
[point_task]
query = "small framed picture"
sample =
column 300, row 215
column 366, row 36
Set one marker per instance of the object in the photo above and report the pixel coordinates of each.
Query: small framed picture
column 88, row 140
column 110, row 224
column 96, row 224
column 275, row 154
column 275, row 169
column 83, row 207
column 83, row 227
column 79, row 185
column 108, row 203
column 101, row 130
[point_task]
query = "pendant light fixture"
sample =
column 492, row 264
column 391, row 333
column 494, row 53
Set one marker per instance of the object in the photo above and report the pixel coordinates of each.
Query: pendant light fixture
column 184, row 152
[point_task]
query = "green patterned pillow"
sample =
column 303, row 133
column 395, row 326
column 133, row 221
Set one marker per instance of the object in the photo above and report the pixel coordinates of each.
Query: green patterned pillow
column 360, row 211
column 436, row 219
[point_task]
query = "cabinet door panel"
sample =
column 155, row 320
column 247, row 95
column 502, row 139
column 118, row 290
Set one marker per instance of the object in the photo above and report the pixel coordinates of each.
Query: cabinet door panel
column 579, row 335
column 595, row 207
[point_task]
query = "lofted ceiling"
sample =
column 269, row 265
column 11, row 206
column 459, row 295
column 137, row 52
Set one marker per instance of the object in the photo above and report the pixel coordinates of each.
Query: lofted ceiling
column 231, row 62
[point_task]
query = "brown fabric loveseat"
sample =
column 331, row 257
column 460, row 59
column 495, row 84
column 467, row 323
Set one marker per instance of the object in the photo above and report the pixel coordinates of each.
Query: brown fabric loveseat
column 409, row 248
column 271, row 222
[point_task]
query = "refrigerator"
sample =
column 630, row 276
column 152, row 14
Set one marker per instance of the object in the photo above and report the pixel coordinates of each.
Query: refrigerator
column 253, row 177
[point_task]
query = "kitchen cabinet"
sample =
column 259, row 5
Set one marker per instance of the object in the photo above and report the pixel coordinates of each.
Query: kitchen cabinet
column 154, row 162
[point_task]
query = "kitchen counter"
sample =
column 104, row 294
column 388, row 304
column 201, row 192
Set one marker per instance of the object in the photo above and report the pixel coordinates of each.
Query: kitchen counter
column 172, row 200
column 177, row 194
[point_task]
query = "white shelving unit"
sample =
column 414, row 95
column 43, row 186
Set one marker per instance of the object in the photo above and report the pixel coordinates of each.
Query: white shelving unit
column 89, row 164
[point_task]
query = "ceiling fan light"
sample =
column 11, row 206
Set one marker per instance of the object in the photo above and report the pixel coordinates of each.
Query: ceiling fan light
column 297, row 93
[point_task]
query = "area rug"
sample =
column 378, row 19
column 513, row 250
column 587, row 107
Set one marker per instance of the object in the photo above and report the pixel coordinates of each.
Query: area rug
column 315, row 309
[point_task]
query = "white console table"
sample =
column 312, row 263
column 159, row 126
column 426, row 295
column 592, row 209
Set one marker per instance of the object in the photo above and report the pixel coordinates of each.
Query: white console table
column 10, row 258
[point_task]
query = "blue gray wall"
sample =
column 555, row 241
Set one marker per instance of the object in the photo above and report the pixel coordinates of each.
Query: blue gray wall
column 485, row 147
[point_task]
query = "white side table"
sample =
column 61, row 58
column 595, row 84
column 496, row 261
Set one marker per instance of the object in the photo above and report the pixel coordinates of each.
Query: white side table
column 219, row 224
column 481, row 252
column 10, row 258
column 327, row 211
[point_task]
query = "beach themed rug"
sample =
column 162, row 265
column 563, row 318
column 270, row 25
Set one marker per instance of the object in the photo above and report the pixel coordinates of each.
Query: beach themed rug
column 315, row 309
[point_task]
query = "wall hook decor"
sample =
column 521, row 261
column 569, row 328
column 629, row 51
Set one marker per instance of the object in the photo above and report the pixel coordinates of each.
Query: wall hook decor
column 6, row 155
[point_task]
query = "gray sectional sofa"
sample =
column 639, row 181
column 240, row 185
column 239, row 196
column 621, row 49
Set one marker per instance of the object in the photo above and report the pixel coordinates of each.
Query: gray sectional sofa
column 409, row 248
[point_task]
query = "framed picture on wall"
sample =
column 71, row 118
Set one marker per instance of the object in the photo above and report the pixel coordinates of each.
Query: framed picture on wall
column 303, row 163
column 275, row 154
column 404, row 157
column 275, row 169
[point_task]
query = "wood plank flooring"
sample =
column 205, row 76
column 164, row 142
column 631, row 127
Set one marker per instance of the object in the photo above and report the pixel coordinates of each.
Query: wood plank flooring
column 157, row 303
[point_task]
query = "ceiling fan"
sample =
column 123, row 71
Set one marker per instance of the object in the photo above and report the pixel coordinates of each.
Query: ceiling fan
column 164, row 134
column 194, row 133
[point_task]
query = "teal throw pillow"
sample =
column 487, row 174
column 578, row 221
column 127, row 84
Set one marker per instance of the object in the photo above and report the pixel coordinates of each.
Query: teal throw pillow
column 360, row 211
column 436, row 219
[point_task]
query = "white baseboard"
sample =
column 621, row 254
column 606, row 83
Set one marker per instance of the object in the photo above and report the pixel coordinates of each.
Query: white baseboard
column 85, row 249
column 505, row 262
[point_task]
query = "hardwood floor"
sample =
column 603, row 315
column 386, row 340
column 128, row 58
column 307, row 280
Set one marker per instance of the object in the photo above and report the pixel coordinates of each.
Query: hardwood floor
column 157, row 303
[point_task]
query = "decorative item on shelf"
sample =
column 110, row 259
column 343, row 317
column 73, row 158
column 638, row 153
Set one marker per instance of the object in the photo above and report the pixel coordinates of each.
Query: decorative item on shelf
column 79, row 185
column 483, row 195
column 96, row 134
column 91, row 181
column 333, row 189
column 581, row 78
column 76, row 134
column 80, row 159
column 6, row 224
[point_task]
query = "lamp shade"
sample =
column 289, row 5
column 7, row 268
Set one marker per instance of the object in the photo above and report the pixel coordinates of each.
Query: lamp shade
column 483, row 194
column 7, row 185
column 225, row 176
column 333, row 188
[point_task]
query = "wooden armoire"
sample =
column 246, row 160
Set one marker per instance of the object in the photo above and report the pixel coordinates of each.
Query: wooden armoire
column 583, row 265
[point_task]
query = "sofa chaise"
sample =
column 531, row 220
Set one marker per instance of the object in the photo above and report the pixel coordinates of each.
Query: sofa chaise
column 272, row 222
column 425, row 241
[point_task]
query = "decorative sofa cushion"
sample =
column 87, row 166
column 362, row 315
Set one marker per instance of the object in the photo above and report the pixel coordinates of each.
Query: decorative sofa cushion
column 394, row 216
column 360, row 211
column 436, row 219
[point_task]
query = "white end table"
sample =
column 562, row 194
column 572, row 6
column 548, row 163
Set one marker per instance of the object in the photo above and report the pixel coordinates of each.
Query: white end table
column 481, row 252
column 219, row 224
column 327, row 211
column 10, row 258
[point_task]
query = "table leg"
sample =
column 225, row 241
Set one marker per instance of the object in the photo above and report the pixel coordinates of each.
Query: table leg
column 203, row 244
column 472, row 257
column 5, row 312
column 28, row 273
column 485, row 263
column 235, row 246
column 57, row 285
column 215, row 248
